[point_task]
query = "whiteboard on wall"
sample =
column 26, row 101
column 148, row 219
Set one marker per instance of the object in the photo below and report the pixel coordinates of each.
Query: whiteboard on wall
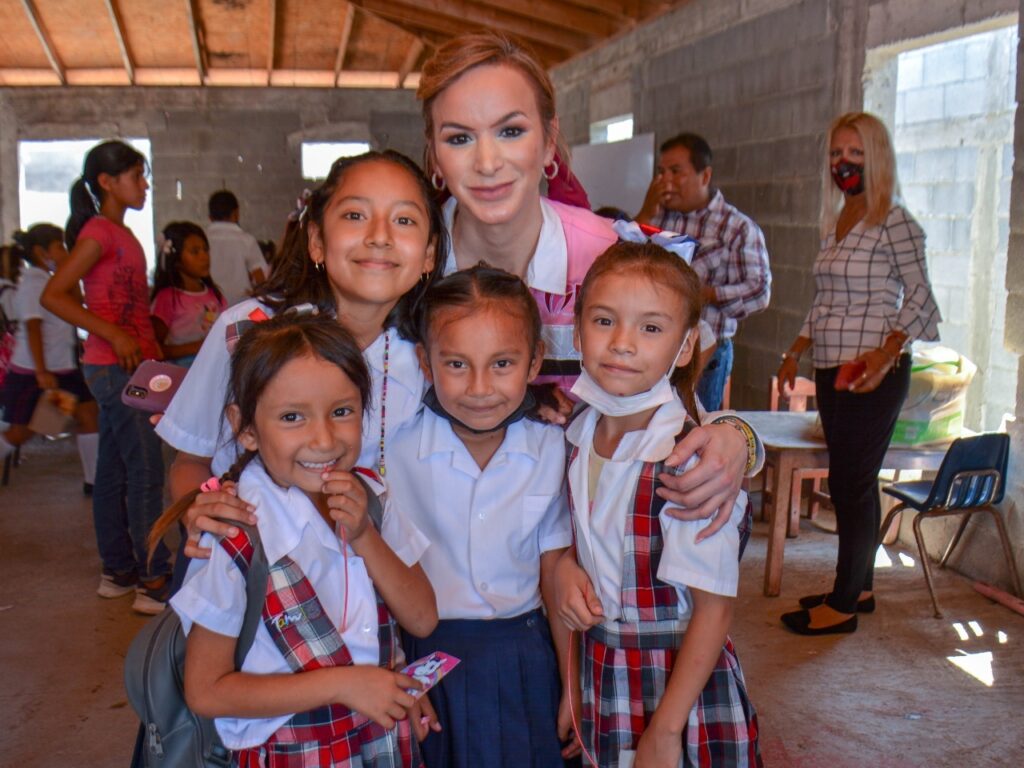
column 616, row 174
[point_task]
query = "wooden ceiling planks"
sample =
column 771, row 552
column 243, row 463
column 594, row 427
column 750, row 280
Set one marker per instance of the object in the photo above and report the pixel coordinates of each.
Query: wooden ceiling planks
column 362, row 43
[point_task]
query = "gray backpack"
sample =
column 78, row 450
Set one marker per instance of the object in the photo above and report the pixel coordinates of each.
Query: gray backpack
column 175, row 737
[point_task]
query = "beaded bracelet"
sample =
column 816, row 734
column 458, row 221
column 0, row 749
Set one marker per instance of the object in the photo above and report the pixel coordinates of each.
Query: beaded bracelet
column 748, row 435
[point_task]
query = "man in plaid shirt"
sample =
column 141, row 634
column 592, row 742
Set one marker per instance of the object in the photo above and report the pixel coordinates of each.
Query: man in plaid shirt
column 732, row 260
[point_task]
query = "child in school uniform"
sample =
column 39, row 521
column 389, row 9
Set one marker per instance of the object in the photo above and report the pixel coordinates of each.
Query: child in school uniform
column 661, row 683
column 486, row 487
column 318, row 688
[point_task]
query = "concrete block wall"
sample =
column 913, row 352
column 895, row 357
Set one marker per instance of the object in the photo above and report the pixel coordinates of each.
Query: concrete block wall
column 206, row 138
column 953, row 131
column 758, row 80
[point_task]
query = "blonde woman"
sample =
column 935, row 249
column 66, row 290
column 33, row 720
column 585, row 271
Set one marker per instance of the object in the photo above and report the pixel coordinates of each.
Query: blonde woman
column 872, row 299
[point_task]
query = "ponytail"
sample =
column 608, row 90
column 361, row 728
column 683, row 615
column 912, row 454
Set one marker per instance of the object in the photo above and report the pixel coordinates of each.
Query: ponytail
column 83, row 208
column 174, row 513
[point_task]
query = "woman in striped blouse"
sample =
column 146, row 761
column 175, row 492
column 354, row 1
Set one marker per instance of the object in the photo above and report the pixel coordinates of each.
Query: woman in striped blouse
column 872, row 299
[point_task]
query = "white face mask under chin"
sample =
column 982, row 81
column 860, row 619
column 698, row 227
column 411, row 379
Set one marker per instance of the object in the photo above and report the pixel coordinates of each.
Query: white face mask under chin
column 591, row 393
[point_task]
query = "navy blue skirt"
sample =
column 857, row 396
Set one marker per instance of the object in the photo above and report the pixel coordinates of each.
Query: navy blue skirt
column 499, row 707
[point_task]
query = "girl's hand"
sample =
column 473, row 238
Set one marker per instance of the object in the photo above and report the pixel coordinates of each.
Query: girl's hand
column 710, row 488
column 787, row 374
column 658, row 747
column 566, row 732
column 46, row 380
column 877, row 363
column 378, row 693
column 199, row 518
column 577, row 602
column 346, row 502
column 127, row 349
column 424, row 718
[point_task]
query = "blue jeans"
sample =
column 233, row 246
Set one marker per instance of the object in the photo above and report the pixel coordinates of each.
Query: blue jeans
column 128, row 494
column 711, row 386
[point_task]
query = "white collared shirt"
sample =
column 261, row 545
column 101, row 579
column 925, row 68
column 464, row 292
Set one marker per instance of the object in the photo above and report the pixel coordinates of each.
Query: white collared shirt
column 711, row 566
column 549, row 264
column 487, row 527
column 213, row 594
column 193, row 421
column 234, row 256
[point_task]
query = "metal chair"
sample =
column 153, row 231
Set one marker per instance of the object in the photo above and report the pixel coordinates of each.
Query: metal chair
column 971, row 479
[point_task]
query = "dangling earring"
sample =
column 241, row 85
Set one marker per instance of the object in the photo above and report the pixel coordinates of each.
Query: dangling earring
column 318, row 266
column 437, row 181
column 423, row 279
column 554, row 172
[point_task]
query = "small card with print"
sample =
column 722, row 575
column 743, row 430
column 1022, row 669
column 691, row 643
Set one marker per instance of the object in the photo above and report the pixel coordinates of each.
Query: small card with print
column 429, row 670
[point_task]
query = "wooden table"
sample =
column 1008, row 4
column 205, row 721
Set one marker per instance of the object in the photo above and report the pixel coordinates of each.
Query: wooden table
column 790, row 438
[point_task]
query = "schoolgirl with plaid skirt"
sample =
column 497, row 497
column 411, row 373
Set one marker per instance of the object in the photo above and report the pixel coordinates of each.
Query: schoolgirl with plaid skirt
column 303, row 609
column 661, row 682
column 319, row 687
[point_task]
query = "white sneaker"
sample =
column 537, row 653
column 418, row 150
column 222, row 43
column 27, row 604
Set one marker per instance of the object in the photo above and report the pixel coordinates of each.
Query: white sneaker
column 151, row 602
column 116, row 585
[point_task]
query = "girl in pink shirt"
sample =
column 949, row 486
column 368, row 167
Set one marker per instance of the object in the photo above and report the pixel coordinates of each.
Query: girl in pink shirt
column 108, row 260
column 186, row 301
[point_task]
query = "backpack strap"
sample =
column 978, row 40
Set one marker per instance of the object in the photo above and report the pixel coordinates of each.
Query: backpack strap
column 257, row 571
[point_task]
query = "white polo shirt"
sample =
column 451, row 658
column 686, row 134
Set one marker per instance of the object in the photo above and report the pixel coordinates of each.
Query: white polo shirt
column 487, row 527
column 234, row 255
column 193, row 420
column 213, row 594
column 59, row 342
column 711, row 566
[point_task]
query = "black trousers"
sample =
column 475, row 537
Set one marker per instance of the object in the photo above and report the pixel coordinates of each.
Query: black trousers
column 858, row 428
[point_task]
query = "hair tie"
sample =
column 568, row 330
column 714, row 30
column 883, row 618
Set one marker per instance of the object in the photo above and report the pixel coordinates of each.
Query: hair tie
column 211, row 485
column 301, row 206
column 682, row 246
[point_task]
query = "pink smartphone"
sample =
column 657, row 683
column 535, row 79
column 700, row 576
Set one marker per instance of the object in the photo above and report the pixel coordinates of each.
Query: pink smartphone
column 153, row 385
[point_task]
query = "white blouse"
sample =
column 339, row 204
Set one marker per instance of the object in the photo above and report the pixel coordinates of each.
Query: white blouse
column 600, row 522
column 213, row 595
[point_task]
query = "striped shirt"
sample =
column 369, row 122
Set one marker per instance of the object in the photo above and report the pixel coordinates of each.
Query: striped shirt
column 732, row 259
column 872, row 282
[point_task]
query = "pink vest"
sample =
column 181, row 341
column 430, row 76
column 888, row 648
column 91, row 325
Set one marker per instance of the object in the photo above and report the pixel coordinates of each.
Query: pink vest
column 587, row 236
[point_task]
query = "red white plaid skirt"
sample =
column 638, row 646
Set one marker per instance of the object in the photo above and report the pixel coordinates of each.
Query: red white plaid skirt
column 623, row 686
column 366, row 746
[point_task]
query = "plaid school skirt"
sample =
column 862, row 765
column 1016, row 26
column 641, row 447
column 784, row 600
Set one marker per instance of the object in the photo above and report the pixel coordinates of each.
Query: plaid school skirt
column 623, row 686
column 297, row 745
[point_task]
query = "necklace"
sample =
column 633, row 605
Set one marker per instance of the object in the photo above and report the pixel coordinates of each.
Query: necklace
column 383, row 406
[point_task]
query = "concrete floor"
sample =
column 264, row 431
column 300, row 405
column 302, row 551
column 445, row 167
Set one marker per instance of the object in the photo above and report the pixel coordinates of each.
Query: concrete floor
column 885, row 696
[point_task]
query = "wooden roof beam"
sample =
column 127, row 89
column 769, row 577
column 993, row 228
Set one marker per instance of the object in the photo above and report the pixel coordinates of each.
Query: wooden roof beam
column 435, row 38
column 410, row 61
column 346, row 33
column 44, row 39
column 561, row 14
column 272, row 41
column 118, row 24
column 492, row 18
column 617, row 9
column 198, row 46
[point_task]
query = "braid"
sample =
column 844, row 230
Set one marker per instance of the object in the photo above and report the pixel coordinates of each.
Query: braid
column 174, row 513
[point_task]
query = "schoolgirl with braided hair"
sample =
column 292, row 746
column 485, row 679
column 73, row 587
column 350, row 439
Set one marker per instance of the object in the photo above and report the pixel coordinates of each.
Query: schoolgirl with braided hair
column 318, row 686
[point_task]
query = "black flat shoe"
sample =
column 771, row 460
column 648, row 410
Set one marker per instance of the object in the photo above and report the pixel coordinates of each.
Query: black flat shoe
column 867, row 605
column 799, row 622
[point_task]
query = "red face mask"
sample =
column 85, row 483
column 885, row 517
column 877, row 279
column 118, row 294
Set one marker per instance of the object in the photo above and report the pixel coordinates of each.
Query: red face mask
column 849, row 177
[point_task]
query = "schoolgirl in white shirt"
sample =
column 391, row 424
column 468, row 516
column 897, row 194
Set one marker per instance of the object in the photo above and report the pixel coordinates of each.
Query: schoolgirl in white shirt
column 661, row 682
column 364, row 250
column 320, row 679
column 486, row 487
